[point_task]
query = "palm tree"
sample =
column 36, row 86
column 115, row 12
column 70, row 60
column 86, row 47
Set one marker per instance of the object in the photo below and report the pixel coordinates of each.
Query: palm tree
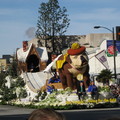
column 104, row 76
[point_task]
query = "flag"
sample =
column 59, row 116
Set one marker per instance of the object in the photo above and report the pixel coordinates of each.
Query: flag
column 110, row 48
column 101, row 56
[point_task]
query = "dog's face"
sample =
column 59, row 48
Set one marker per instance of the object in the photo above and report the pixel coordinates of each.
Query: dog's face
column 79, row 61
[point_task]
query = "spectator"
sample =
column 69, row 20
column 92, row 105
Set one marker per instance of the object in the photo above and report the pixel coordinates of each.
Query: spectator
column 46, row 114
column 81, row 90
column 92, row 90
column 114, row 89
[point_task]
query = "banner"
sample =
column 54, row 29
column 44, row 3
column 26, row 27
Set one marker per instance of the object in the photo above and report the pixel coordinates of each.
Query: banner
column 101, row 56
column 110, row 48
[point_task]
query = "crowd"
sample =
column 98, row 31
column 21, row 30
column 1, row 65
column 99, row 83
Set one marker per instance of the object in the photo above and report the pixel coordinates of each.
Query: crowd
column 115, row 91
column 92, row 90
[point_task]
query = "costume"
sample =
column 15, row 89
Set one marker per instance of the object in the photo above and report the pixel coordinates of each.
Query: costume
column 92, row 88
column 74, row 62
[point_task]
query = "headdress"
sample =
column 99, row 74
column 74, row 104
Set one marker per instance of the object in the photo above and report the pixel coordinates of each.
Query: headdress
column 76, row 49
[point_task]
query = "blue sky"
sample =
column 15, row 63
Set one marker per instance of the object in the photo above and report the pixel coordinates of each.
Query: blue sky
column 18, row 19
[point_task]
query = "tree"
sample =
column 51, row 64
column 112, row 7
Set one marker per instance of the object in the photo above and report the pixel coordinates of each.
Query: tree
column 52, row 23
column 13, row 69
column 104, row 76
column 2, row 79
column 8, row 93
column 16, row 89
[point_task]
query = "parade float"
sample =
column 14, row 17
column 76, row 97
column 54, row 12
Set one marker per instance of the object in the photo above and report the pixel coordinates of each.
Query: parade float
column 60, row 88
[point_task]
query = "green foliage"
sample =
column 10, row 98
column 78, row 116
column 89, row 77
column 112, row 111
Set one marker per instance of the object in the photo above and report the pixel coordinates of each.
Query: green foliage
column 19, row 82
column 43, row 95
column 23, row 93
column 12, row 70
column 104, row 89
column 38, row 95
column 16, row 88
column 9, row 93
column 5, row 92
column 2, row 79
column 104, row 76
column 68, row 91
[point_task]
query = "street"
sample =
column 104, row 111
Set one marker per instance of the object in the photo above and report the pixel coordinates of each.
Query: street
column 15, row 113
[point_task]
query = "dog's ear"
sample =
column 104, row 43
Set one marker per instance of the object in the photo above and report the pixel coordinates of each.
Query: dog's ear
column 68, row 59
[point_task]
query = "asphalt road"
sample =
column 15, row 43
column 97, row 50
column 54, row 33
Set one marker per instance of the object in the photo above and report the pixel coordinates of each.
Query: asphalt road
column 16, row 113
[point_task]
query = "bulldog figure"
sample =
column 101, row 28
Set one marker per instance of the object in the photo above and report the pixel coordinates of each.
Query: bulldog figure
column 73, row 67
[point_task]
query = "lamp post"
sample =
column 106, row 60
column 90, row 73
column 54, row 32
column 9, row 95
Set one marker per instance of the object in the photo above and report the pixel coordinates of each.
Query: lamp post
column 114, row 45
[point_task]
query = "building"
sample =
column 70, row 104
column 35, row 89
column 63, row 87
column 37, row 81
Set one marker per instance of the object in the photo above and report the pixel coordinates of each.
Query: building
column 90, row 40
column 3, row 64
column 8, row 58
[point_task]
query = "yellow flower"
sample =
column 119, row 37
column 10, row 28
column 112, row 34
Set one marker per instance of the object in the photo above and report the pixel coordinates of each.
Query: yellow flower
column 113, row 100
column 99, row 100
column 106, row 100
column 92, row 101
column 68, row 102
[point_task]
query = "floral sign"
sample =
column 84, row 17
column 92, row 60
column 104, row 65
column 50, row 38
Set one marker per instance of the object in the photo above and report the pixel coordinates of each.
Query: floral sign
column 110, row 48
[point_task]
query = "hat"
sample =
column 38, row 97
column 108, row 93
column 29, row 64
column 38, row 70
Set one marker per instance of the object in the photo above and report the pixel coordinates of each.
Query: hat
column 76, row 49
